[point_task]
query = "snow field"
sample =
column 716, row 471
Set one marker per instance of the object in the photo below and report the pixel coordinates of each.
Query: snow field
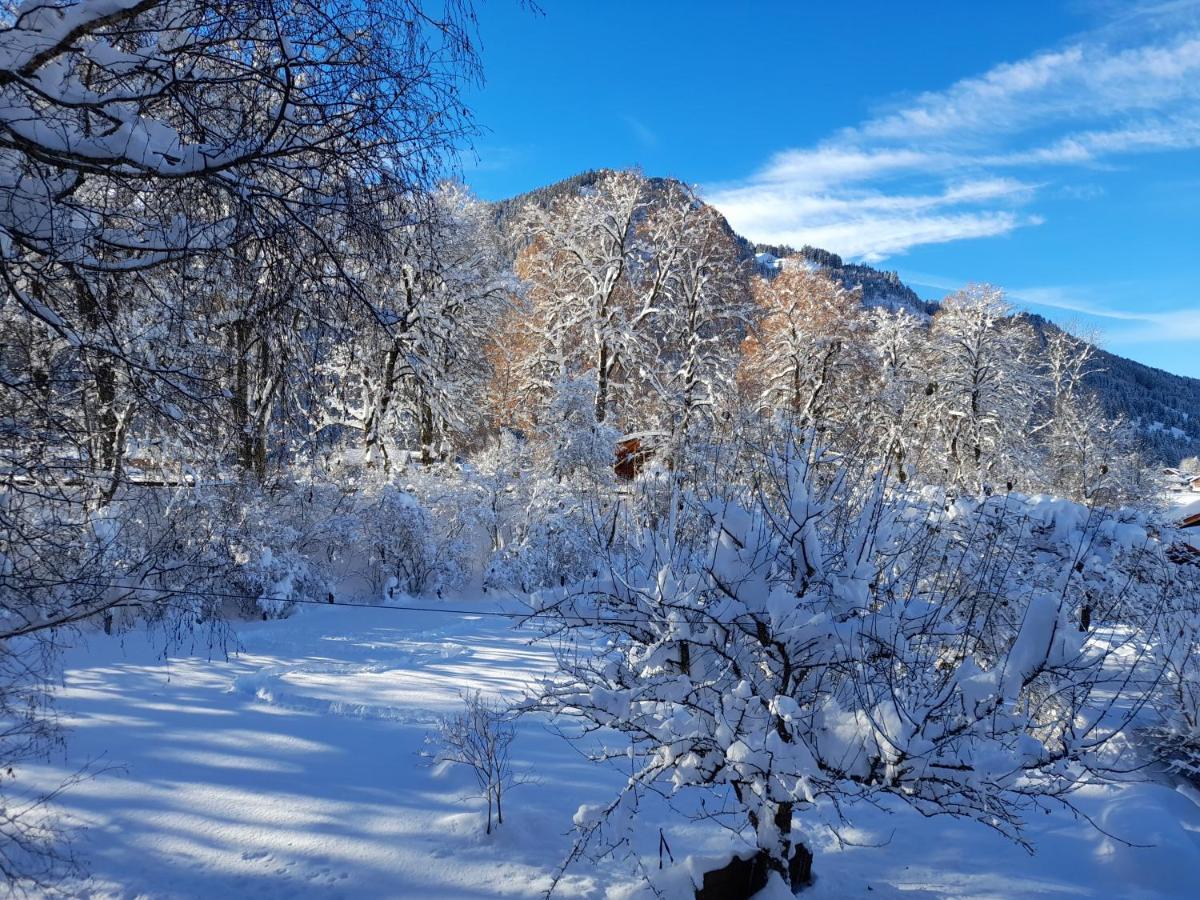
column 294, row 769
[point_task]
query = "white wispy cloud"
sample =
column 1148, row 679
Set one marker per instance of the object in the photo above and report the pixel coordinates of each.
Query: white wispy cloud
column 1115, row 323
column 1082, row 82
column 873, row 238
column 644, row 134
column 1134, row 326
column 874, row 224
column 942, row 165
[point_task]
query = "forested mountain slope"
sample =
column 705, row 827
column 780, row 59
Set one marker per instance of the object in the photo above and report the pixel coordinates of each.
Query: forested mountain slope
column 1166, row 407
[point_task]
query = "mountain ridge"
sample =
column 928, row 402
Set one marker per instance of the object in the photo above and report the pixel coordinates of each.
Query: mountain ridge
column 1164, row 406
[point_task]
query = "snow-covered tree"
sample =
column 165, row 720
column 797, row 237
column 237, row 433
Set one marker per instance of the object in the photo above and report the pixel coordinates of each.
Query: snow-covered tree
column 409, row 370
column 983, row 388
column 829, row 639
column 899, row 424
column 640, row 283
column 577, row 260
column 806, row 349
column 696, row 286
column 1088, row 456
column 179, row 186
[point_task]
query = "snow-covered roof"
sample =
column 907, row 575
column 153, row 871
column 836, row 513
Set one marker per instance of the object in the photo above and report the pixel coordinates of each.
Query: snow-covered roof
column 1189, row 514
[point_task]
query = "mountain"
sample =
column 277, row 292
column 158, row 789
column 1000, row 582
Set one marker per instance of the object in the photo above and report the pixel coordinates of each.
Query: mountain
column 879, row 288
column 1165, row 407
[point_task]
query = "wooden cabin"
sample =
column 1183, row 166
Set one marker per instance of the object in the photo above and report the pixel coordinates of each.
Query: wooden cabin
column 1189, row 515
column 631, row 458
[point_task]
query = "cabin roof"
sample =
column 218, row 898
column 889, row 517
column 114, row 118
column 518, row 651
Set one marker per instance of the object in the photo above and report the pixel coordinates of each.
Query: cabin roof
column 1188, row 515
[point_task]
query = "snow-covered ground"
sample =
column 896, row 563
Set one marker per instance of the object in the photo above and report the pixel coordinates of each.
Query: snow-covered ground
column 293, row 769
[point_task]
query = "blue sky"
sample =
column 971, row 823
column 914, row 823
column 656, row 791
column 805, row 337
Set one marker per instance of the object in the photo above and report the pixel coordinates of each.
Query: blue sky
column 1052, row 149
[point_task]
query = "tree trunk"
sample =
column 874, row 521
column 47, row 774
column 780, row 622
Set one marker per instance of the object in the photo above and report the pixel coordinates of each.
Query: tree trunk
column 792, row 860
column 602, row 382
column 377, row 416
column 745, row 875
column 258, row 454
column 428, row 431
column 240, row 401
column 901, row 474
column 250, row 413
column 795, row 859
column 102, row 405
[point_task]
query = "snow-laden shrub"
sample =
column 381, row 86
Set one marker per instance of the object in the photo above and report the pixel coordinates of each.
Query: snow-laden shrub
column 579, row 447
column 414, row 548
column 497, row 475
column 554, row 532
column 542, row 527
column 397, row 529
column 555, row 535
column 1176, row 736
column 265, row 551
column 833, row 638
column 276, row 580
column 556, row 549
column 1175, row 733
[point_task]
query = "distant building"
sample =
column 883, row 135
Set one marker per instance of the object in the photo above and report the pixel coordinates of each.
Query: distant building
column 1189, row 516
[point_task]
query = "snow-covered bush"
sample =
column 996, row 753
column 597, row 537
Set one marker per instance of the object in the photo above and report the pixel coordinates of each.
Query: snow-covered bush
column 497, row 474
column 1175, row 733
column 397, row 530
column 265, row 550
column 554, row 537
column 542, row 526
column 578, row 447
column 1176, row 736
column 834, row 638
column 412, row 548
